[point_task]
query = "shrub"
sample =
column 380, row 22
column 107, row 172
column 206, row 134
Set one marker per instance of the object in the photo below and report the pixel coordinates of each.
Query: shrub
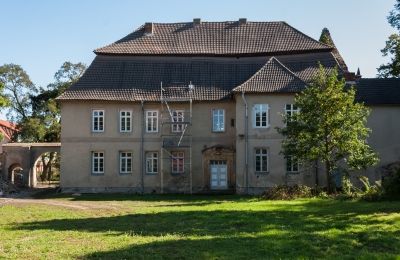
column 391, row 184
column 284, row 192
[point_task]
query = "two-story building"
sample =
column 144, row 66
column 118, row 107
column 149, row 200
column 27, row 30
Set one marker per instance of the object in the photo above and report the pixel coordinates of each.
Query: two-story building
column 193, row 107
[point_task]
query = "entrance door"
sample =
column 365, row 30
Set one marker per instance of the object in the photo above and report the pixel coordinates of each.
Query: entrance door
column 219, row 175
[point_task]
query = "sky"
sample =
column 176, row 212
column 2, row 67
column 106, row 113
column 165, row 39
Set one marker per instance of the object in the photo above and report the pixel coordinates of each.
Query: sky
column 40, row 35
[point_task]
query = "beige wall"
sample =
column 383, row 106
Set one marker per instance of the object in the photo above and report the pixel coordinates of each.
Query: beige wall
column 78, row 141
column 384, row 121
column 267, row 138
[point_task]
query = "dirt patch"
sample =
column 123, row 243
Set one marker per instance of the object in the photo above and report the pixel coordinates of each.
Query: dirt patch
column 58, row 203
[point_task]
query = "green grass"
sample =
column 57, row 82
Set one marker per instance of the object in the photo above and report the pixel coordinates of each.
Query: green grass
column 220, row 227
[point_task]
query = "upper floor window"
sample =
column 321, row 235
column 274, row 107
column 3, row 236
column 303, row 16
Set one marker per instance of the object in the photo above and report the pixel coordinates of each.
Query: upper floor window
column 292, row 164
column 98, row 120
column 177, row 116
column 260, row 116
column 177, row 162
column 152, row 121
column 97, row 162
column 261, row 160
column 125, row 162
column 152, row 162
column 218, row 119
column 125, row 121
column 290, row 110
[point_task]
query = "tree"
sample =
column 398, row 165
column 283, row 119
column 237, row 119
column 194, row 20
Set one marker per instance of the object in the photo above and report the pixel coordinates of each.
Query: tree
column 329, row 127
column 17, row 90
column 392, row 48
column 45, row 123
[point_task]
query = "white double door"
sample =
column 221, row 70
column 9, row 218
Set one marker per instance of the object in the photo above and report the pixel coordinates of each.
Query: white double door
column 219, row 175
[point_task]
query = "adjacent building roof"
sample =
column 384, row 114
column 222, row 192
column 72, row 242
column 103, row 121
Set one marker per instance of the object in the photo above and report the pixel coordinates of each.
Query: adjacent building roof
column 272, row 77
column 8, row 129
column 214, row 39
column 379, row 91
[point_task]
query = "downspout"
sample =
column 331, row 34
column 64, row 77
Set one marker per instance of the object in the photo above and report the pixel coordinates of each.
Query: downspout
column 142, row 148
column 246, row 141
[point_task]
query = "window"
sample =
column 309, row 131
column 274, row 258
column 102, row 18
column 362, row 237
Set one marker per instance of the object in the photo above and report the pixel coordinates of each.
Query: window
column 97, row 162
column 292, row 165
column 290, row 110
column 218, row 117
column 260, row 116
column 152, row 121
column 98, row 120
column 261, row 160
column 151, row 162
column 125, row 162
column 125, row 121
column 177, row 116
column 177, row 162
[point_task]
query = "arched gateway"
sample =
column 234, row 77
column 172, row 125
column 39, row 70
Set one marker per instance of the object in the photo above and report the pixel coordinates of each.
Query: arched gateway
column 18, row 161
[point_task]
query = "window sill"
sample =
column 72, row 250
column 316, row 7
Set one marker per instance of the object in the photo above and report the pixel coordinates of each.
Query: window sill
column 262, row 127
column 125, row 173
column 262, row 173
column 97, row 174
column 293, row 173
column 151, row 173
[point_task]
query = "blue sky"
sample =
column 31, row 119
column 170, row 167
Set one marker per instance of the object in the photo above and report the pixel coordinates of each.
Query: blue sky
column 41, row 35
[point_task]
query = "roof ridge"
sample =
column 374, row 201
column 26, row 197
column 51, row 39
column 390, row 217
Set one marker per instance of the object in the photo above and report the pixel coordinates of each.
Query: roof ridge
column 288, row 70
column 255, row 74
column 309, row 37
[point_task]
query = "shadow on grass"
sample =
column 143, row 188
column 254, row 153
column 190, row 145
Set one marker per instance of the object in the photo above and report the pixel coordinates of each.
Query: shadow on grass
column 311, row 229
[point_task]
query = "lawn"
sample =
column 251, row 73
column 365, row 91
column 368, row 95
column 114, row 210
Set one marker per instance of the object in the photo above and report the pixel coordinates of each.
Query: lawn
column 200, row 227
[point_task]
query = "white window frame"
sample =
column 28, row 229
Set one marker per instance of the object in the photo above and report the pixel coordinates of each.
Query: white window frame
column 98, row 117
column 152, row 160
column 123, row 121
column 124, row 157
column 291, row 111
column 153, row 116
column 177, row 162
column 258, row 153
column 290, row 164
column 178, row 116
column 218, row 114
column 259, row 108
column 98, row 162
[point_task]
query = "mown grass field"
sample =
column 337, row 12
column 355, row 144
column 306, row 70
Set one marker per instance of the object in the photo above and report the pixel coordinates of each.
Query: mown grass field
column 200, row 227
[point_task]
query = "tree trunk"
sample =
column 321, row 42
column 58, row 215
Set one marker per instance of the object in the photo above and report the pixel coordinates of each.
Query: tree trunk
column 329, row 184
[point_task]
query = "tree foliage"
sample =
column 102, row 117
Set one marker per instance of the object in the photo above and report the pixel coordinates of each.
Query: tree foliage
column 329, row 127
column 18, row 88
column 392, row 47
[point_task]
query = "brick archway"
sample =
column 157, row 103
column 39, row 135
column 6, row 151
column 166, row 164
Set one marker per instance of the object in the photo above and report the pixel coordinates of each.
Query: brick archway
column 25, row 155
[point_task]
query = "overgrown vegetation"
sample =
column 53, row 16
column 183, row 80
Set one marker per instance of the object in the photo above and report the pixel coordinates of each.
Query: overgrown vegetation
column 284, row 192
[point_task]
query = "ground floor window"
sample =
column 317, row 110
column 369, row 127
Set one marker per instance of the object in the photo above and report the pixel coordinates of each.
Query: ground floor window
column 125, row 162
column 97, row 162
column 151, row 162
column 261, row 160
column 177, row 162
column 292, row 164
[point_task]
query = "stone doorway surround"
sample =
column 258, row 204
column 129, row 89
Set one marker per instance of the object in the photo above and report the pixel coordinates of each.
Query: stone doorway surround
column 219, row 153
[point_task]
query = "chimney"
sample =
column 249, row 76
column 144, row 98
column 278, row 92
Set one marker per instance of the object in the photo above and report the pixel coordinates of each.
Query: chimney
column 148, row 28
column 196, row 21
column 242, row 21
